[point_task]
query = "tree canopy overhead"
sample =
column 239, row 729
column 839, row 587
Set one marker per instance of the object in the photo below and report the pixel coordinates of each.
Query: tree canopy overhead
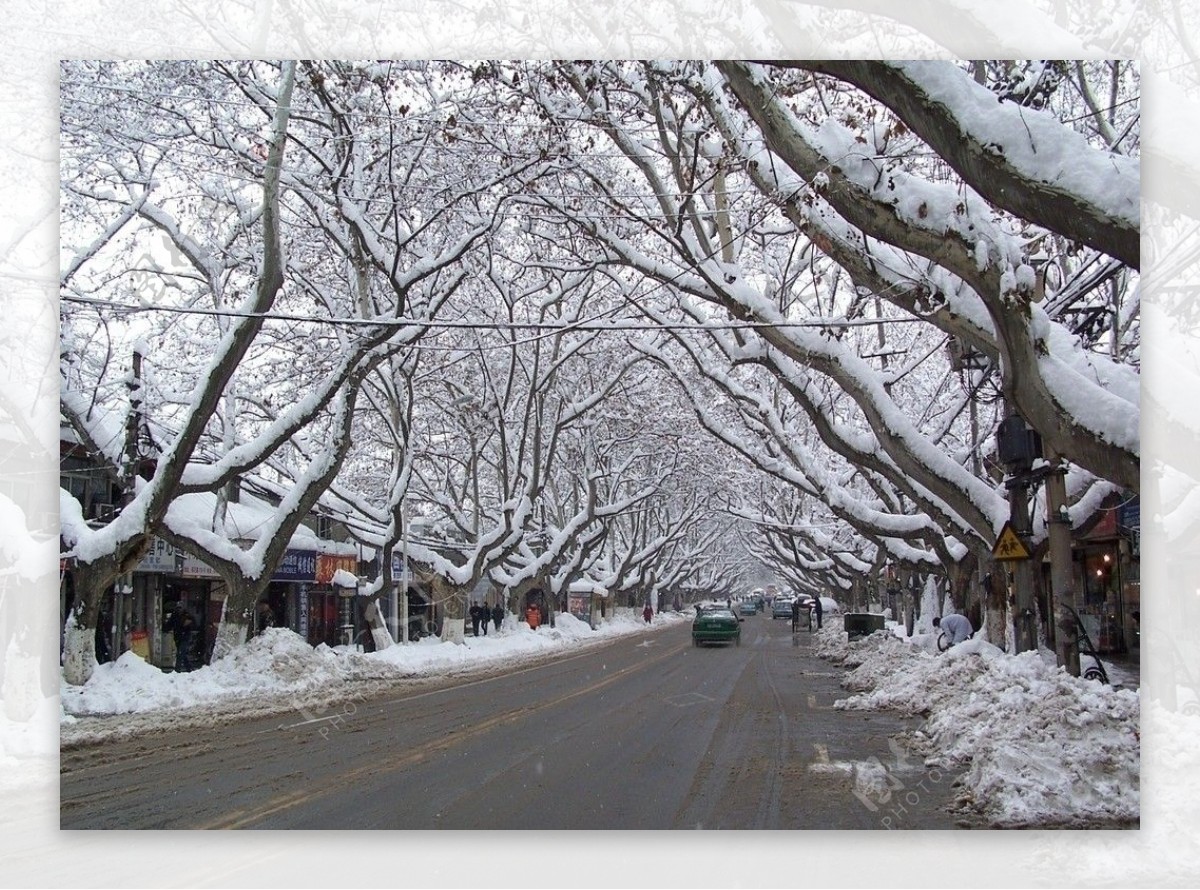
column 644, row 324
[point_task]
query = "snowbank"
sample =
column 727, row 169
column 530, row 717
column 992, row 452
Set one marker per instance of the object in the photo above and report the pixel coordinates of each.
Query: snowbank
column 1040, row 747
column 279, row 665
column 275, row 662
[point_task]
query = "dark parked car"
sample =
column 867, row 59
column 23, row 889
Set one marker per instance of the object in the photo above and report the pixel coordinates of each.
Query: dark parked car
column 718, row 625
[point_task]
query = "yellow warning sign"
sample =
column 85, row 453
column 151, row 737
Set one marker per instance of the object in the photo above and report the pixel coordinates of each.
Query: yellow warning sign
column 1009, row 545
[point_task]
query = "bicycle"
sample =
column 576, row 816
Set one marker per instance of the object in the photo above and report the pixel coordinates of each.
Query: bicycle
column 1084, row 642
column 943, row 644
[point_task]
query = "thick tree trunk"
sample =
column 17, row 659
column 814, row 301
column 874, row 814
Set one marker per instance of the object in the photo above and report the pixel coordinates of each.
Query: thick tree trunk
column 79, row 652
column 453, row 602
column 237, row 614
column 996, row 611
column 231, row 634
column 379, row 632
column 92, row 581
column 965, row 596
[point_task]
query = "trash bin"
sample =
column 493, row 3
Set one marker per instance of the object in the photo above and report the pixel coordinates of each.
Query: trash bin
column 861, row 624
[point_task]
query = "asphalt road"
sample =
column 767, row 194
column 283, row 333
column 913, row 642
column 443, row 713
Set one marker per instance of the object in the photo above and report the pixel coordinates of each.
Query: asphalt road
column 641, row 733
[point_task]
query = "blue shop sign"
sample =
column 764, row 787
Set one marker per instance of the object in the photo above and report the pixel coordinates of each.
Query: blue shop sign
column 296, row 565
column 1129, row 514
column 398, row 572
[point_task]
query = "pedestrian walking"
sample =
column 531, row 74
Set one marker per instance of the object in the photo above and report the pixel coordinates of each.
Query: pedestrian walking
column 648, row 613
column 817, row 611
column 182, row 626
column 497, row 616
column 533, row 616
column 475, row 619
column 795, row 615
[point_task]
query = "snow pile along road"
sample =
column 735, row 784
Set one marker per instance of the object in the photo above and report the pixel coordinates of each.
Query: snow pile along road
column 1041, row 748
column 278, row 670
column 276, row 662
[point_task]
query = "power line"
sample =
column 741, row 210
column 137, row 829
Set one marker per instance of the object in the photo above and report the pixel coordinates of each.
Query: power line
column 618, row 325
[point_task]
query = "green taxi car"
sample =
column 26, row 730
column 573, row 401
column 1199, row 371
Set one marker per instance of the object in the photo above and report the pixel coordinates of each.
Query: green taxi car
column 716, row 625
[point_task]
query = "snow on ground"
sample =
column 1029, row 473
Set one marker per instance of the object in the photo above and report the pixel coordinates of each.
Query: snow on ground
column 278, row 672
column 1038, row 746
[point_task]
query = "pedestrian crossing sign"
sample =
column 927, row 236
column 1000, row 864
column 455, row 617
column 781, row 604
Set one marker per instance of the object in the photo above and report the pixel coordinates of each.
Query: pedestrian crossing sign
column 1009, row 545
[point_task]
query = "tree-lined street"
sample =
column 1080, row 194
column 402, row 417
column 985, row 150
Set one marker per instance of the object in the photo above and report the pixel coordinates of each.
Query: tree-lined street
column 647, row 329
column 353, row 350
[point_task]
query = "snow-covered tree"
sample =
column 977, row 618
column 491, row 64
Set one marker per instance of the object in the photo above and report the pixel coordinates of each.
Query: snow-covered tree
column 427, row 301
column 101, row 555
column 374, row 250
column 793, row 198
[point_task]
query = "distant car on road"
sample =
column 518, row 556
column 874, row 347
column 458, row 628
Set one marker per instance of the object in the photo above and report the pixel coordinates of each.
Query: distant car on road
column 747, row 607
column 781, row 608
column 718, row 625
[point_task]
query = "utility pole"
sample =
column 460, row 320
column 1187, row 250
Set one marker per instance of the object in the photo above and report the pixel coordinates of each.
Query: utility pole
column 400, row 588
column 972, row 368
column 1024, row 614
column 135, row 424
column 1018, row 446
column 1066, row 636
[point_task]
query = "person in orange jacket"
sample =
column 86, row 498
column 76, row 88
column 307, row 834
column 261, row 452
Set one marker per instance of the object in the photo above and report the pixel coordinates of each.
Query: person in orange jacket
column 533, row 616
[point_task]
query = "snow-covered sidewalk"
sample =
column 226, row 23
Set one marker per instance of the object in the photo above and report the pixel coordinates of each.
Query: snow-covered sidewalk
column 1040, row 747
column 278, row 671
